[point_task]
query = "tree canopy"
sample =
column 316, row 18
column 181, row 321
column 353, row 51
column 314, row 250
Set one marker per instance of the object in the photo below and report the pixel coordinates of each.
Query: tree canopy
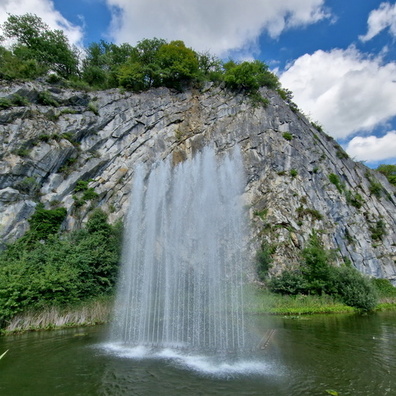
column 36, row 41
column 38, row 50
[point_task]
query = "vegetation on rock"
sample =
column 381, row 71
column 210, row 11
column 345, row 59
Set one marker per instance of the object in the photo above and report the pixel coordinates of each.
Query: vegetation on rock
column 38, row 50
column 46, row 267
column 318, row 276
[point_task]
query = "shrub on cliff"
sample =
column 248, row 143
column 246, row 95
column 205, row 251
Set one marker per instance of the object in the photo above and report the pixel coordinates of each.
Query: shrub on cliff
column 318, row 276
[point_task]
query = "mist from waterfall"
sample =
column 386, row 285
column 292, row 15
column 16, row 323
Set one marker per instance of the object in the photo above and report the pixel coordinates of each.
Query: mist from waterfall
column 183, row 274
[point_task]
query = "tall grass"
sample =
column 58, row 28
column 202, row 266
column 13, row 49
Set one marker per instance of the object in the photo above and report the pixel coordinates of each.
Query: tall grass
column 90, row 313
column 264, row 302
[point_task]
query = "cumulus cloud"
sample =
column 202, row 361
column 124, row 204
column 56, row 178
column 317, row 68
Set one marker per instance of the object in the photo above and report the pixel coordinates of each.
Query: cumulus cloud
column 46, row 11
column 218, row 26
column 343, row 90
column 372, row 148
column 382, row 18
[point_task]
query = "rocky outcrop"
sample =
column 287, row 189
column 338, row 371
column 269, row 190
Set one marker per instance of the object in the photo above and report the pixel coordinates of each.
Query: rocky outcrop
column 298, row 178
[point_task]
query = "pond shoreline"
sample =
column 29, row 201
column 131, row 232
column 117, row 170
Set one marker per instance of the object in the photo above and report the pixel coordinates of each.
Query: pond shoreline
column 98, row 312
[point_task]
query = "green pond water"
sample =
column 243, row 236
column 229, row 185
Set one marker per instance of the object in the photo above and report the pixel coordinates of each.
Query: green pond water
column 349, row 354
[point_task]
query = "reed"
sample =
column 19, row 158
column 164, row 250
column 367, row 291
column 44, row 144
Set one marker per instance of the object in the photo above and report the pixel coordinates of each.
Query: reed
column 90, row 313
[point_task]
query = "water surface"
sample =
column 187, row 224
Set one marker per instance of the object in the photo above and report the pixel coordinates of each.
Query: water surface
column 353, row 355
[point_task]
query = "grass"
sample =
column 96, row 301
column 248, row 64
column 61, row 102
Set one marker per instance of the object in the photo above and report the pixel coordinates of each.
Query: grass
column 260, row 302
column 89, row 313
column 264, row 302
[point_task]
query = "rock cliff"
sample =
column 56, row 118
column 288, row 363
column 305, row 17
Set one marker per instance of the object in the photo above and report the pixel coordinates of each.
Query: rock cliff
column 298, row 178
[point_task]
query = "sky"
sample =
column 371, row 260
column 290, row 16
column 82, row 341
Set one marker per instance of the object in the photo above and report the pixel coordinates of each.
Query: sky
column 337, row 57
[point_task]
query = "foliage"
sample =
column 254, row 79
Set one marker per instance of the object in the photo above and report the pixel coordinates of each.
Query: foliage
column 318, row 276
column 315, row 214
column 38, row 50
column 336, row 181
column 84, row 193
column 178, row 64
column 17, row 66
column 317, row 269
column 14, row 100
column 263, row 301
column 389, row 171
column 58, row 269
column 28, row 185
column 293, row 172
column 384, row 287
column 290, row 282
column 249, row 76
column 45, row 222
column 378, row 231
column 287, row 136
column 264, row 260
column 46, row 99
column 36, row 41
column 354, row 289
column 375, row 187
column 355, row 199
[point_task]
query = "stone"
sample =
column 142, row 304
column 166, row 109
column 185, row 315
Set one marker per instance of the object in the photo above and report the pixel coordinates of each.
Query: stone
column 288, row 179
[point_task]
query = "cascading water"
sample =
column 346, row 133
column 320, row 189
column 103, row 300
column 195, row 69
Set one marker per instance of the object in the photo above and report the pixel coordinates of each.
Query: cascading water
column 184, row 265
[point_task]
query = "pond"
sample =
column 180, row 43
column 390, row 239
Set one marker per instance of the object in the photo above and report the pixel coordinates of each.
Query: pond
column 315, row 355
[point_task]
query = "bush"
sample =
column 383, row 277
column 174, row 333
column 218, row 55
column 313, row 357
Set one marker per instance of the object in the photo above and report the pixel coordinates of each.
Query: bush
column 287, row 136
column 318, row 276
column 336, row 181
column 59, row 270
column 384, row 287
column 45, row 98
column 289, row 283
column 5, row 103
column 378, row 231
column 355, row 289
column 45, row 222
column 264, row 260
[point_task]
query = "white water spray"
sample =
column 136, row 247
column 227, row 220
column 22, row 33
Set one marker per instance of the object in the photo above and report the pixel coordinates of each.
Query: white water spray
column 184, row 265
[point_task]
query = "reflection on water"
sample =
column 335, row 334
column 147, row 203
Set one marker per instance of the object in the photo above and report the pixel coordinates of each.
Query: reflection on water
column 353, row 355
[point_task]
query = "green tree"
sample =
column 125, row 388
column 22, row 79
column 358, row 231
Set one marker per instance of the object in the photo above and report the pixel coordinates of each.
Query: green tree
column 316, row 266
column 35, row 40
column 178, row 64
column 102, row 62
column 249, row 76
column 142, row 70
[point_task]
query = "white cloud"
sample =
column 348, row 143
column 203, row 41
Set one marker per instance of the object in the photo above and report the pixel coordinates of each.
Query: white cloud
column 372, row 148
column 218, row 26
column 46, row 11
column 382, row 18
column 343, row 90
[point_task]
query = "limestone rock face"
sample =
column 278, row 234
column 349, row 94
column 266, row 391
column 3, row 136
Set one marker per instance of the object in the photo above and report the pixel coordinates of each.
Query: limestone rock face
column 298, row 178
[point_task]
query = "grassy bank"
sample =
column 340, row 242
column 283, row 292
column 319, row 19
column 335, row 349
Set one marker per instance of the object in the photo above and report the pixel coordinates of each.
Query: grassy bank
column 88, row 313
column 260, row 302
column 263, row 302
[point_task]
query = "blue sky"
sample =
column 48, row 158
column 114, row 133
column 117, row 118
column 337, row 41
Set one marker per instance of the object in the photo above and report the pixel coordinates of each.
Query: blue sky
column 338, row 57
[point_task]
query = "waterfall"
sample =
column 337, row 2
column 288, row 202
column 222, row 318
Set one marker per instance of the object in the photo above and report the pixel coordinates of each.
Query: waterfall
column 183, row 274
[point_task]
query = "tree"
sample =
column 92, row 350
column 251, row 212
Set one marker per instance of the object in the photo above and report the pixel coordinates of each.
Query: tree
column 142, row 70
column 178, row 64
column 249, row 76
column 35, row 40
column 102, row 61
column 13, row 67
